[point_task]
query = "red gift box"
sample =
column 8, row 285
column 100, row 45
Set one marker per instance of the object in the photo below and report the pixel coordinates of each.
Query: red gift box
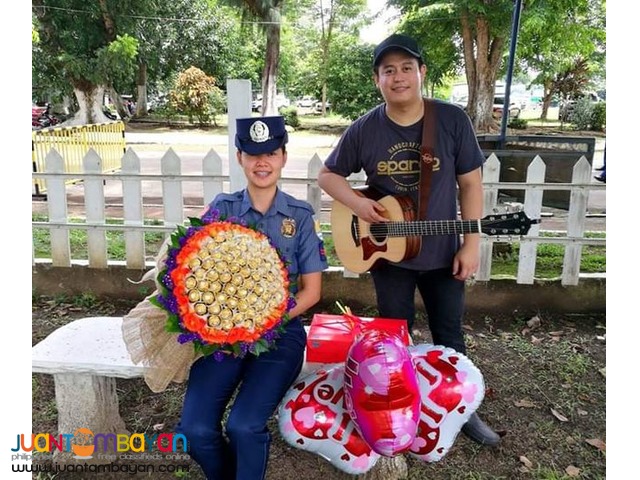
column 331, row 336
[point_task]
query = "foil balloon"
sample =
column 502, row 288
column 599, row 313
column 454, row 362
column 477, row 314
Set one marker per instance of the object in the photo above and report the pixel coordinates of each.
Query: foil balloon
column 312, row 417
column 382, row 394
column 452, row 388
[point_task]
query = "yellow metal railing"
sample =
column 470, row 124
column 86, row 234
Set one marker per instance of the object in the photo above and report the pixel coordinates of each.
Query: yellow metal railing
column 73, row 143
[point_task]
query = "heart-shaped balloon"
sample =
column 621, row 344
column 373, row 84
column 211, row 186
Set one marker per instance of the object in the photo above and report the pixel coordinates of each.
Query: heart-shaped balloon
column 381, row 391
column 452, row 388
column 312, row 417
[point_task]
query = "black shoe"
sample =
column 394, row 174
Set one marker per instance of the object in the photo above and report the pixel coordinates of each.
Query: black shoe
column 601, row 178
column 480, row 432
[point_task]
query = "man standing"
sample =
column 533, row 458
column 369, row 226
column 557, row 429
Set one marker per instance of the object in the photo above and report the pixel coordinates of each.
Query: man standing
column 386, row 143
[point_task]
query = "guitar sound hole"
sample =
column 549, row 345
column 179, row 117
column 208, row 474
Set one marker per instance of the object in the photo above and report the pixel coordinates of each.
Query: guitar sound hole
column 379, row 232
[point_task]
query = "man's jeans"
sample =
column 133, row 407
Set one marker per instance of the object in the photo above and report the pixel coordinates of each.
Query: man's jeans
column 443, row 298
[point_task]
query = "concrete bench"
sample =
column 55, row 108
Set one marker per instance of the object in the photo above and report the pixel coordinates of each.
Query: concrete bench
column 85, row 357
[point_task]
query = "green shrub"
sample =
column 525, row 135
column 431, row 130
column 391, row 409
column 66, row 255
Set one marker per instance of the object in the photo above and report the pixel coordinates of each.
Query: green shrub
column 290, row 115
column 582, row 114
column 599, row 116
column 518, row 123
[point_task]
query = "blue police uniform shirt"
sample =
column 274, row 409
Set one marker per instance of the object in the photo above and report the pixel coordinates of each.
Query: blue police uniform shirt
column 288, row 223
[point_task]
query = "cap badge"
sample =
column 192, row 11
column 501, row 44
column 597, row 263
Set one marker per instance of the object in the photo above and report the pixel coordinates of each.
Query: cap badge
column 259, row 132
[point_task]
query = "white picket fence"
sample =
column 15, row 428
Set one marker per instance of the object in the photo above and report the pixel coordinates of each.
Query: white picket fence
column 212, row 181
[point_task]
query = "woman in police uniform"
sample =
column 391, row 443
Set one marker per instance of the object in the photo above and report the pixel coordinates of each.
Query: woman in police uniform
column 240, row 449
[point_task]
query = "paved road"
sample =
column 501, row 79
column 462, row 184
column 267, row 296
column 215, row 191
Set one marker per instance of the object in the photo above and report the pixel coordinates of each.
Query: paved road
column 191, row 147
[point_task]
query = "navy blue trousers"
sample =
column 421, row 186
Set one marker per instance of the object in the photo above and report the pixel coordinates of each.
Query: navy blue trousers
column 240, row 449
column 442, row 295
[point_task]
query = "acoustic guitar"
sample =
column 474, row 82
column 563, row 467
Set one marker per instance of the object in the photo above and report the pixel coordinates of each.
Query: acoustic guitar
column 360, row 245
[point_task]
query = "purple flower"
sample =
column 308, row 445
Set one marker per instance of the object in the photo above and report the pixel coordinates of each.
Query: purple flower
column 187, row 337
column 270, row 336
column 218, row 356
column 168, row 302
column 167, row 281
column 211, row 215
column 291, row 303
column 171, row 259
column 190, row 232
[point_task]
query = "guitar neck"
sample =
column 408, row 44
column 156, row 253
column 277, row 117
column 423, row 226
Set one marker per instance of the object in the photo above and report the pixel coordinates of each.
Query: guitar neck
column 426, row 227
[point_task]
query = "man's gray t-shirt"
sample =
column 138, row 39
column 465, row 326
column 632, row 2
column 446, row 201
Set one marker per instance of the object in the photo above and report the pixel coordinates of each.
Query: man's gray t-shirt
column 390, row 156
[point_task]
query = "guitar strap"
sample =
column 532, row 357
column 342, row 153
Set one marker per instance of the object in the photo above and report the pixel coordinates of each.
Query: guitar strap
column 427, row 156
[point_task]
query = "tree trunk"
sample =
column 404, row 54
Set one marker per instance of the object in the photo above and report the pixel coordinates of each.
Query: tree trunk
column 547, row 95
column 482, row 57
column 270, row 72
column 122, row 110
column 142, row 110
column 90, row 102
column 325, row 47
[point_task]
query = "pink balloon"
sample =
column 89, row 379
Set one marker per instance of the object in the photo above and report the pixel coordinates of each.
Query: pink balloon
column 381, row 392
column 452, row 388
column 312, row 417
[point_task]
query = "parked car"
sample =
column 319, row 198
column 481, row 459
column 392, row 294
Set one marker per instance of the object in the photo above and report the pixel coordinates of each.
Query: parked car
column 306, row 102
column 498, row 107
column 318, row 106
column 281, row 101
column 461, row 102
column 256, row 104
column 157, row 102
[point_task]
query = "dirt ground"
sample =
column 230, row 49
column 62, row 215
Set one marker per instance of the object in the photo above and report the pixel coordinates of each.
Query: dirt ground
column 545, row 393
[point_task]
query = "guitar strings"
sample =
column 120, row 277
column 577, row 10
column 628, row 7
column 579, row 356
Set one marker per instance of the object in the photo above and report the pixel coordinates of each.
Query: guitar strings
column 437, row 227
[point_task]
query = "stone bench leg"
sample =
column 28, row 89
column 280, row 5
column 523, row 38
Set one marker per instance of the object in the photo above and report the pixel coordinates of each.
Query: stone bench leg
column 86, row 401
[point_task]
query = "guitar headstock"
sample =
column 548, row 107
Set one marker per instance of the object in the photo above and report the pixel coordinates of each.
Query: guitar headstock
column 509, row 223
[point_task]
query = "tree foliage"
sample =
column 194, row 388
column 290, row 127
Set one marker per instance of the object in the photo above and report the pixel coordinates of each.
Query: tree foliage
column 350, row 79
column 81, row 42
column 564, row 42
column 478, row 30
column 268, row 14
column 310, row 47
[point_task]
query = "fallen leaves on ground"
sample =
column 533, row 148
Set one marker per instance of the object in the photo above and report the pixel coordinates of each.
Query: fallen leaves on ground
column 596, row 442
column 572, row 471
column 559, row 416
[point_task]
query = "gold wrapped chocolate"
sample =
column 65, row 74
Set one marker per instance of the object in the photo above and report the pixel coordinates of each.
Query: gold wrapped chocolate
column 208, row 298
column 233, row 281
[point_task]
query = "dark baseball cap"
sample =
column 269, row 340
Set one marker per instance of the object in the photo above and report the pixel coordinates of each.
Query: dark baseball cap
column 397, row 41
column 258, row 135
